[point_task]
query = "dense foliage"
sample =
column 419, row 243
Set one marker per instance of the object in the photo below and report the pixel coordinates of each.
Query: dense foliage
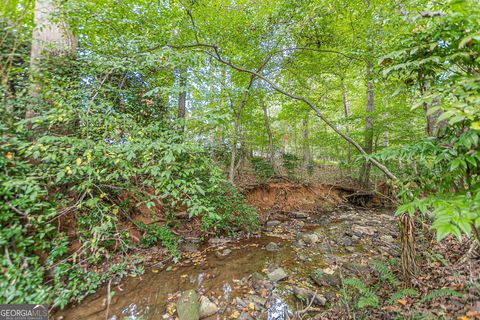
column 441, row 61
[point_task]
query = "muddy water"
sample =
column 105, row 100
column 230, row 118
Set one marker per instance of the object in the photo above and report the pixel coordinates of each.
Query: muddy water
column 220, row 278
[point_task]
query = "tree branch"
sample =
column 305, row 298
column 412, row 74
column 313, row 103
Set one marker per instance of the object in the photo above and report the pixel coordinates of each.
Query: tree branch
column 216, row 55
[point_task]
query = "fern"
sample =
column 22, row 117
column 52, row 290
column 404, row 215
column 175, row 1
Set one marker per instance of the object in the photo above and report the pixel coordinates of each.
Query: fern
column 441, row 292
column 408, row 292
column 385, row 273
column 367, row 298
column 436, row 257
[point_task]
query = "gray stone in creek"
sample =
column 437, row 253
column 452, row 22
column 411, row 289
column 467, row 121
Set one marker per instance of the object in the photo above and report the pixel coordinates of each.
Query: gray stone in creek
column 359, row 231
column 306, row 295
column 188, row 306
column 324, row 248
column 300, row 223
column 217, row 241
column 277, row 275
column 188, row 247
column 273, row 223
column 387, row 238
column 308, row 238
column 350, row 249
column 324, row 279
column 256, row 299
column 221, row 254
column 244, row 316
column 346, row 241
column 257, row 276
column 240, row 302
column 259, row 282
column 207, row 307
column 300, row 215
column 302, row 257
column 272, row 246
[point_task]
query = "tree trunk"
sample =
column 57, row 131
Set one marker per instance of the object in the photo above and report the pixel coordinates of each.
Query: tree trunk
column 305, row 145
column 370, row 105
column 407, row 229
column 48, row 38
column 182, row 96
column 269, row 133
column 237, row 114
column 233, row 155
column 346, row 108
column 431, row 126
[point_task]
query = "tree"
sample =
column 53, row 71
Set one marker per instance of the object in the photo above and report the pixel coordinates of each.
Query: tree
column 51, row 36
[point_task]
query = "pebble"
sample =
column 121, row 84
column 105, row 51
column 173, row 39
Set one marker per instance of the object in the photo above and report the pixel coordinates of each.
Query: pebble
column 273, row 223
column 272, row 246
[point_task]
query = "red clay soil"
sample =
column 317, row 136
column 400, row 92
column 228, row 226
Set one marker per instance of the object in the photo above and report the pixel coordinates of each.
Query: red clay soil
column 288, row 196
column 282, row 196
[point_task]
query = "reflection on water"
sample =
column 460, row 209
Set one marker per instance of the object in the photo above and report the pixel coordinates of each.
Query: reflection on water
column 227, row 289
column 278, row 310
column 148, row 296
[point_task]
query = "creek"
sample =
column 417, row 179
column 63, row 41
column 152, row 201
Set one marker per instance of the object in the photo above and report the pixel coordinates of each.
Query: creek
column 296, row 258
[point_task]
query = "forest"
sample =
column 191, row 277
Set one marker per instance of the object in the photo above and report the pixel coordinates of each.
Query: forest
column 240, row 159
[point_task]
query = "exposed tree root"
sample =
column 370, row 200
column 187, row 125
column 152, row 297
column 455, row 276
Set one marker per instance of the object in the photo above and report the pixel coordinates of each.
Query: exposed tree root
column 472, row 254
column 407, row 229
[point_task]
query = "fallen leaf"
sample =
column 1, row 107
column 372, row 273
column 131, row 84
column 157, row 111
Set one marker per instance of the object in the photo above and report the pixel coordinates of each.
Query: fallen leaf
column 264, row 292
column 403, row 302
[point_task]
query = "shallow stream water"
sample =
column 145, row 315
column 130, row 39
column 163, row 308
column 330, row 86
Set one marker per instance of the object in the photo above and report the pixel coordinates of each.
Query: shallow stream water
column 222, row 279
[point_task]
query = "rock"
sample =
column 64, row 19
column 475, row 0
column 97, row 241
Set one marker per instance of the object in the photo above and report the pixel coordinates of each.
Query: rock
column 244, row 316
column 277, row 275
column 331, row 296
column 272, row 246
column 346, row 241
column 207, row 307
column 300, row 244
column 359, row 231
column 387, row 239
column 323, row 279
column 300, row 223
column 240, row 302
column 256, row 299
column 306, row 296
column 357, row 268
column 260, row 283
column 188, row 306
column 302, row 257
column 188, row 247
column 257, row 276
column 217, row 241
column 350, row 249
column 300, row 215
column 223, row 253
column 308, row 238
column 273, row 223
column 324, row 248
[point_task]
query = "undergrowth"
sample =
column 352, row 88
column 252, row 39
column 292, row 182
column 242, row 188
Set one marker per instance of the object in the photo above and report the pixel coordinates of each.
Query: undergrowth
column 359, row 297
